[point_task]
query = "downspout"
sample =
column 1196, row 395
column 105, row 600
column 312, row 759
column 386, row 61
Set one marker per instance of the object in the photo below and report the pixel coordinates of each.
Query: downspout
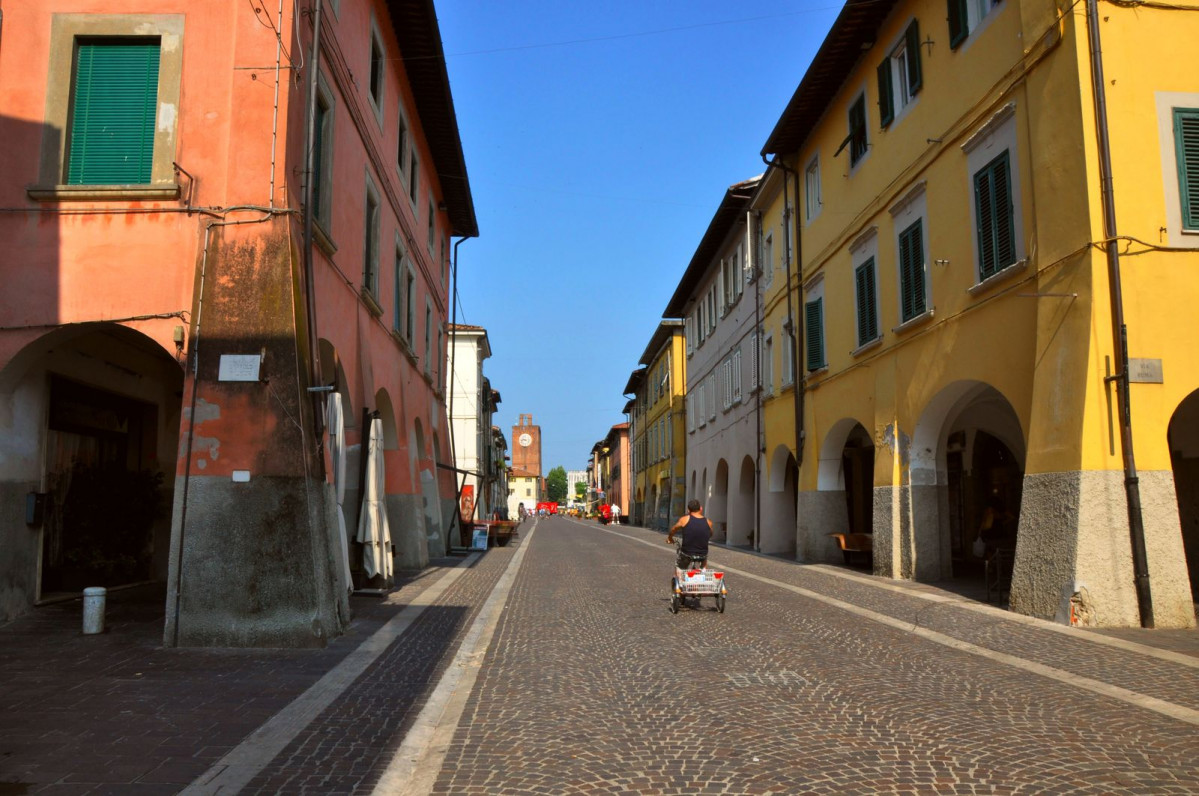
column 314, row 360
column 1132, row 489
column 757, row 355
column 450, row 389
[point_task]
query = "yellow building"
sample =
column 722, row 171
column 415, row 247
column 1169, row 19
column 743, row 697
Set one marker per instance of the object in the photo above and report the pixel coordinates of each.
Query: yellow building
column 658, row 432
column 953, row 288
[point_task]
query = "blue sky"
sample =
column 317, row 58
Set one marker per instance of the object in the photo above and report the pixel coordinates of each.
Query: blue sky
column 599, row 139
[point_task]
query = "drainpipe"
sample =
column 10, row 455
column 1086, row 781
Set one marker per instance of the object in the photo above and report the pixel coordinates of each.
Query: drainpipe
column 756, row 353
column 1132, row 489
column 314, row 360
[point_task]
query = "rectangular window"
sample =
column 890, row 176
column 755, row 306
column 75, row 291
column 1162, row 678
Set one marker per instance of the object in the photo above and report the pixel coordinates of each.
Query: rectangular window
column 911, row 272
column 1186, row 143
column 689, row 328
column 867, row 302
column 858, row 140
column 814, row 333
column 788, row 364
column 691, row 412
column 722, row 292
column 432, row 230
column 899, row 77
column 811, row 189
column 410, row 306
column 965, row 16
column 413, row 178
column 701, row 416
column 322, row 161
column 428, row 336
column 114, row 113
column 995, row 216
column 755, row 362
column 376, row 71
column 712, row 308
column 768, row 258
column 726, row 376
column 768, row 366
column 737, row 375
column 711, row 396
column 402, row 143
column 397, row 320
column 370, row 247
column 700, row 324
column 737, row 270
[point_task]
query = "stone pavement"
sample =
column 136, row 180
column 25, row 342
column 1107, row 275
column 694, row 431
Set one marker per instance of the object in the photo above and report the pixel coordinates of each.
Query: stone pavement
column 816, row 679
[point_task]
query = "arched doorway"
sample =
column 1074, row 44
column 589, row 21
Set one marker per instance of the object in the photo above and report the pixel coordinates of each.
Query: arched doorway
column 967, row 465
column 718, row 509
column 778, row 535
column 95, row 415
column 741, row 508
column 844, row 498
column 1183, row 436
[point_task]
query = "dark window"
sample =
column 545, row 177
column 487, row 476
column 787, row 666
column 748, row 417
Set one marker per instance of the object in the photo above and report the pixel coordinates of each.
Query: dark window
column 911, row 272
column 814, row 332
column 371, row 246
column 867, row 302
column 376, row 86
column 857, row 130
column 113, row 112
column 993, row 206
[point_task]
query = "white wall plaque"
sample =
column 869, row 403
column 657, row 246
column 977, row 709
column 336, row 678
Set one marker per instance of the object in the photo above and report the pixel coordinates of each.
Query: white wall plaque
column 239, row 367
column 241, row 476
column 1144, row 371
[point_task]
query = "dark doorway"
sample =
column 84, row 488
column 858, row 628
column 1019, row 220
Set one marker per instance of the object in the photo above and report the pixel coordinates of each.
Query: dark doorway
column 857, row 463
column 1183, row 436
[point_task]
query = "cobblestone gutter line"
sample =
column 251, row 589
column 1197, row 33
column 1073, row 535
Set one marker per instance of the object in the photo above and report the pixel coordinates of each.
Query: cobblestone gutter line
column 416, row 763
column 1073, row 679
column 236, row 769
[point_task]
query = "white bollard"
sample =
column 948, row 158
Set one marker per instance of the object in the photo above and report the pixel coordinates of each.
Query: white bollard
column 94, row 598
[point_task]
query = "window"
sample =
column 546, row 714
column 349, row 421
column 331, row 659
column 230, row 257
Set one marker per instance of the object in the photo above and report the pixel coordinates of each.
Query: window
column 700, row 323
column 737, row 375
column 401, row 276
column 711, row 308
column 115, row 87
column 403, row 142
column 857, row 139
column 413, row 178
column 787, row 370
column 899, row 77
column 1186, row 144
column 965, row 16
column 322, row 157
column 432, row 228
column 736, row 266
column 689, row 333
column 912, row 300
column 701, row 416
column 994, row 211
column 409, row 328
column 711, row 391
column 375, row 75
column 768, row 259
column 370, row 247
column 811, row 189
column 722, row 291
column 726, row 376
column 691, row 412
column 428, row 336
column 755, row 361
column 867, row 302
column 813, row 312
column 768, row 365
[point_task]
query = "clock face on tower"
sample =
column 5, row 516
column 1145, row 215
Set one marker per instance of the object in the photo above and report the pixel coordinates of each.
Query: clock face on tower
column 525, row 440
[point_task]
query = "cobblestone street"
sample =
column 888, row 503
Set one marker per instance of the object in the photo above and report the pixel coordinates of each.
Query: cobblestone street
column 554, row 666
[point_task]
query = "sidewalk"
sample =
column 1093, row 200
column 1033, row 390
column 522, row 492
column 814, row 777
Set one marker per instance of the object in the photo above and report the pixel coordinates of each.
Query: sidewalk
column 119, row 713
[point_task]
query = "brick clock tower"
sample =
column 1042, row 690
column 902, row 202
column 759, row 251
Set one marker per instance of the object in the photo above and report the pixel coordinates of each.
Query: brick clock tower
column 526, row 446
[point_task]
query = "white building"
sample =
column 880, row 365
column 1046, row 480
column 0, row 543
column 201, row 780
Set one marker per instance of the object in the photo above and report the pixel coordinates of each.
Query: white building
column 471, row 406
column 717, row 298
column 573, row 477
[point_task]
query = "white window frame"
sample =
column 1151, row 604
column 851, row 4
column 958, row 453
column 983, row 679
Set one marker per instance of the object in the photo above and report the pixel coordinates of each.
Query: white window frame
column 736, row 368
column 726, row 376
column 812, row 200
column 428, row 336
column 1178, row 235
column 997, row 134
column 712, row 391
column 768, row 364
column 370, row 238
column 861, row 250
column 787, row 362
column 913, row 207
column 376, row 41
column 755, row 362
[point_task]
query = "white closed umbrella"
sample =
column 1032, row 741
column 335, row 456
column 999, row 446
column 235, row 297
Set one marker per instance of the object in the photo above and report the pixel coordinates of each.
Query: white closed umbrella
column 336, row 425
column 373, row 531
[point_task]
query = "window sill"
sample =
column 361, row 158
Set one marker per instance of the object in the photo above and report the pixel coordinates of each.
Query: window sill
column 372, row 305
column 911, row 323
column 1002, row 275
column 83, row 193
column 866, row 346
column 403, row 343
column 322, row 240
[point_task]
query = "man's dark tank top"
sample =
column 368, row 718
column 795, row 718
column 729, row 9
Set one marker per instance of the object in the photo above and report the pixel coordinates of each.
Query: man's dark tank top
column 695, row 536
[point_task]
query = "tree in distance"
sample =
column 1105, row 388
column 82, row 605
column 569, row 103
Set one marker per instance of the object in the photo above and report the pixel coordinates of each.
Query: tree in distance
column 580, row 490
column 555, row 485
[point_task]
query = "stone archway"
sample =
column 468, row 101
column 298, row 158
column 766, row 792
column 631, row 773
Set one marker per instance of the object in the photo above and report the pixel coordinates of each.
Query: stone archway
column 779, row 532
column 844, row 498
column 718, row 505
column 741, row 506
column 967, row 451
column 1183, row 436
column 91, row 420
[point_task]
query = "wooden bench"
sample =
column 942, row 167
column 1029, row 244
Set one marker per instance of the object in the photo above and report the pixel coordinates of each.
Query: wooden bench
column 851, row 543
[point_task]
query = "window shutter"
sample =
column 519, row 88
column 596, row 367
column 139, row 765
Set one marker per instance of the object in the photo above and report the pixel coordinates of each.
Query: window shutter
column 912, row 45
column 995, row 215
column 755, row 359
column 957, row 23
column 886, row 107
column 911, row 272
column 114, row 113
column 867, row 315
column 721, row 294
column 737, row 375
column 814, row 332
column 1186, row 143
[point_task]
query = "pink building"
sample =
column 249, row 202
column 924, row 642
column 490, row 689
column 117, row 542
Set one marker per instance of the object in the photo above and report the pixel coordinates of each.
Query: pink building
column 165, row 376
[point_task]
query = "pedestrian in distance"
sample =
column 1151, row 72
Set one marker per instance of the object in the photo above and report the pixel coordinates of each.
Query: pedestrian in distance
column 616, row 514
column 696, row 531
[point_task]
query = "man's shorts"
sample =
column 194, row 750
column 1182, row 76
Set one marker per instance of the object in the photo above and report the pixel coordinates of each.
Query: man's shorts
column 684, row 560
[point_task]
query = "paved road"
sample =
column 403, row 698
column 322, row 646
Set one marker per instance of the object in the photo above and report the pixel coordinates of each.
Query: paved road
column 554, row 666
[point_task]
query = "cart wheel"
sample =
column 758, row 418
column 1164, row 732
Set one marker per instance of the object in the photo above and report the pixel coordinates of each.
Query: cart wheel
column 720, row 603
column 674, row 596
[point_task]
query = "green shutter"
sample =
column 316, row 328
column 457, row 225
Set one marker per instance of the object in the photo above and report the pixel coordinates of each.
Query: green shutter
column 995, row 215
column 1186, row 143
column 814, row 332
column 911, row 272
column 912, row 45
column 113, row 112
column 886, row 105
column 957, row 23
column 867, row 302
